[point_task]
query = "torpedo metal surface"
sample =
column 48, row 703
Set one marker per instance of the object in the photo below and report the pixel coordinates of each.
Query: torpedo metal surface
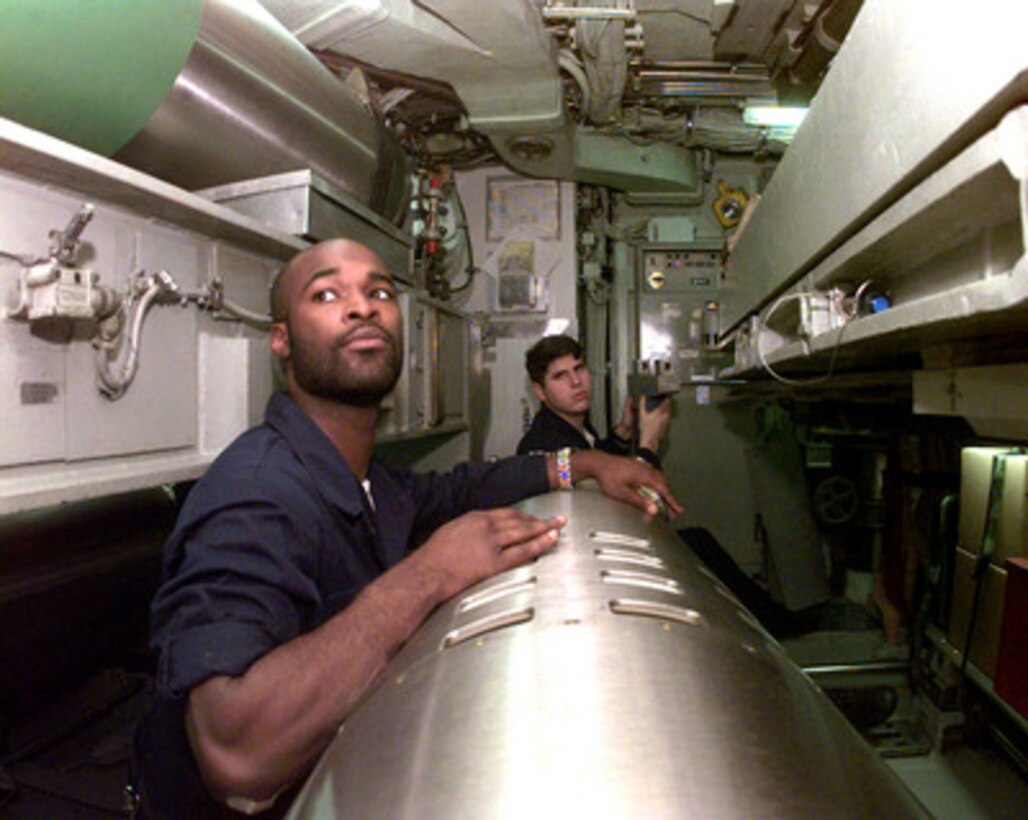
column 615, row 677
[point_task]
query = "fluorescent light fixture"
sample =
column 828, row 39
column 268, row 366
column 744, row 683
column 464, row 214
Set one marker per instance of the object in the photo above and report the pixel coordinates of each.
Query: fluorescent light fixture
column 556, row 326
column 773, row 116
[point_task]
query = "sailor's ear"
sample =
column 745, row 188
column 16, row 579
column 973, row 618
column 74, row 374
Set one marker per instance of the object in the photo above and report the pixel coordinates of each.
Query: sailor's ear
column 278, row 338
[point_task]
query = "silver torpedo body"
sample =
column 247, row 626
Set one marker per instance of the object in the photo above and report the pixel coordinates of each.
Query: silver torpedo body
column 613, row 678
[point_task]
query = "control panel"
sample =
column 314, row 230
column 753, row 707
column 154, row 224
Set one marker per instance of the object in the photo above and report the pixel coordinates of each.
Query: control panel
column 678, row 309
column 679, row 270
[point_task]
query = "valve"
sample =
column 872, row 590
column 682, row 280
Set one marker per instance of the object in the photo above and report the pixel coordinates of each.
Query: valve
column 53, row 287
column 50, row 290
column 432, row 236
column 64, row 245
column 433, row 232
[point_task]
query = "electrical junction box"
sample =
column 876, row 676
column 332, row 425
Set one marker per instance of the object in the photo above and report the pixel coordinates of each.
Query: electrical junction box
column 678, row 297
column 670, row 229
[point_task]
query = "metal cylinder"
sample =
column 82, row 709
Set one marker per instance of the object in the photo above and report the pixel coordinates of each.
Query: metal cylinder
column 92, row 73
column 824, row 40
column 614, row 677
column 199, row 94
column 252, row 101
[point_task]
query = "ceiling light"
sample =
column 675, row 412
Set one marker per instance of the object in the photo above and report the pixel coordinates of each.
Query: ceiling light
column 774, row 116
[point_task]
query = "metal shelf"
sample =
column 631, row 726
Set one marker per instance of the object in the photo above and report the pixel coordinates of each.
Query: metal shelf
column 951, row 255
column 40, row 158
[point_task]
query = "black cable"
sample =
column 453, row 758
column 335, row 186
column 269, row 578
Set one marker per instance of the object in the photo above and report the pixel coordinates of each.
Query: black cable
column 470, row 269
column 470, row 272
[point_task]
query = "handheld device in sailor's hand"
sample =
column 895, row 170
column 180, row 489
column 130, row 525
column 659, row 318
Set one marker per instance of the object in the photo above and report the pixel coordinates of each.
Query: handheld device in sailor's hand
column 653, row 402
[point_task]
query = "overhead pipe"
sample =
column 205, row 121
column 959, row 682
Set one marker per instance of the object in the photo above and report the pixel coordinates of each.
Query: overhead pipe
column 819, row 43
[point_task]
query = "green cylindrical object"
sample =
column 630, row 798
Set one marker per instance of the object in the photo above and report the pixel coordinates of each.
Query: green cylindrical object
column 92, row 73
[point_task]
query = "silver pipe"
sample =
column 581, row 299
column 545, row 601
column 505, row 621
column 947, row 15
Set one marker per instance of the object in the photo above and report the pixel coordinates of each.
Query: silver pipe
column 587, row 13
column 690, row 76
column 701, row 89
column 828, row 669
column 702, row 65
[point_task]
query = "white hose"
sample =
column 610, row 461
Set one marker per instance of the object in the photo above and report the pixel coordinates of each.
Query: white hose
column 112, row 380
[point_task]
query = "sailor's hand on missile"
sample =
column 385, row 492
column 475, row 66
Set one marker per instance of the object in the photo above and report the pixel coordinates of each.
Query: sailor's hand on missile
column 627, row 479
column 479, row 544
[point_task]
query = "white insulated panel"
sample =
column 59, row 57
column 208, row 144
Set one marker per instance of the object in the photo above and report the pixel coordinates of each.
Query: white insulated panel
column 34, row 385
column 158, row 411
column 61, row 440
column 235, row 382
column 33, row 398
